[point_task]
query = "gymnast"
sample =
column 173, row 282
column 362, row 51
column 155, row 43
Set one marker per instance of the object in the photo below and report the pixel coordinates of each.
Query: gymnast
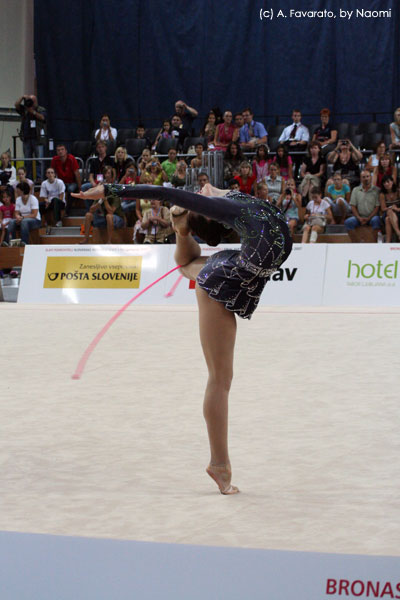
column 227, row 283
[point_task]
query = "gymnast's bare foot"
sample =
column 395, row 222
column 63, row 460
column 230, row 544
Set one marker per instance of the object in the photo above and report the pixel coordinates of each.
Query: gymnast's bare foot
column 179, row 218
column 222, row 475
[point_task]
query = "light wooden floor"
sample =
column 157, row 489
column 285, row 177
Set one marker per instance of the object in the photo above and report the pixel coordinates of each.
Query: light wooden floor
column 314, row 422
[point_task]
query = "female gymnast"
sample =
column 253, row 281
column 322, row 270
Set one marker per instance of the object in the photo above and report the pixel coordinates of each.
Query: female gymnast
column 227, row 283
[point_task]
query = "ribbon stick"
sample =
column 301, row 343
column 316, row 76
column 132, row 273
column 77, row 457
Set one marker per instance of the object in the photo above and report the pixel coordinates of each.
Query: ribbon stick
column 85, row 356
column 173, row 289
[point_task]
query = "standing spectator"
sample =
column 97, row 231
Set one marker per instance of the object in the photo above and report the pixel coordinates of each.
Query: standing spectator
column 364, row 204
column 290, row 202
column 318, row 214
column 312, row 169
column 197, row 161
column 385, row 167
column 7, row 169
column 246, row 177
column 260, row 163
column 121, row 162
column 209, row 128
column 284, row 161
column 225, row 133
column 326, row 133
column 346, row 159
column 157, row 223
column 389, row 200
column 106, row 133
column 274, row 182
column 7, row 209
column 27, row 215
column 338, row 196
column 178, row 131
column 395, row 130
column 380, row 150
column 169, row 165
column 52, row 198
column 187, row 114
column 66, row 168
column 232, row 161
column 33, row 131
column 253, row 133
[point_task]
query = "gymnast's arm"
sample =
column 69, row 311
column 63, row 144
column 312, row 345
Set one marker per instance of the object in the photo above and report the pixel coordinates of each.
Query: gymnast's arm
column 222, row 209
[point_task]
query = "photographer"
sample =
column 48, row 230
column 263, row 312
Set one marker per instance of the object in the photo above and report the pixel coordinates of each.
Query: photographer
column 346, row 159
column 32, row 132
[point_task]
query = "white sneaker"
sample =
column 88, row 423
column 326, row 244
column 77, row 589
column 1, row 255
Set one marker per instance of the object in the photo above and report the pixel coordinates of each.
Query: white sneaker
column 380, row 237
column 59, row 224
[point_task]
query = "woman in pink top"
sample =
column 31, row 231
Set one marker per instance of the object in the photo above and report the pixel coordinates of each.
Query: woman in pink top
column 225, row 133
column 284, row 161
column 260, row 163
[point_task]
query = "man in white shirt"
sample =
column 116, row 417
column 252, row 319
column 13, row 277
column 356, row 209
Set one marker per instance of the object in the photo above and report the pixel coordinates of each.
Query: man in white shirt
column 295, row 137
column 27, row 215
column 52, row 198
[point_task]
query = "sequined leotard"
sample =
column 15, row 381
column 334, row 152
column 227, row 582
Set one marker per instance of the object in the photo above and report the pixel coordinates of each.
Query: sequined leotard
column 234, row 277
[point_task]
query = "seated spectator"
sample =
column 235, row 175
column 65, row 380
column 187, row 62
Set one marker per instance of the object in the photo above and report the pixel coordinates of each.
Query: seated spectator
column 326, row 134
column 284, row 161
column 346, row 159
column 261, row 191
column 253, row 133
column 138, row 232
column 209, row 128
column 104, row 214
column 157, row 223
column 385, row 167
column 7, row 170
column 178, row 131
column 144, row 160
column 66, row 168
column 106, row 133
column 233, row 184
column 108, row 174
column 121, row 162
column 238, row 120
column 225, row 132
column 232, row 161
column 364, row 204
column 97, row 165
column 26, row 216
column 295, row 136
column 154, row 174
column 274, row 182
column 202, row 180
column 131, row 175
column 187, row 115
column 290, row 202
column 312, row 169
column 140, row 135
column 197, row 161
column 338, row 196
column 389, row 200
column 245, row 178
column 179, row 177
column 318, row 214
column 169, row 165
column 7, row 209
column 21, row 176
column 395, row 131
column 380, row 150
column 163, row 134
column 260, row 163
column 52, row 199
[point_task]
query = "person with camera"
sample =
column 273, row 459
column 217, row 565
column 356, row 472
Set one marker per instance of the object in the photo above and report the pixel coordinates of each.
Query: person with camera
column 32, row 132
column 106, row 133
column 289, row 203
column 346, row 159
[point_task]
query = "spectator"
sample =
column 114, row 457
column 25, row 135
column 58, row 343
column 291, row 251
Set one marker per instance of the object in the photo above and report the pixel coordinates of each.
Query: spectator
column 364, row 204
column 154, row 174
column 66, row 168
column 395, row 130
column 97, row 165
column 290, row 202
column 225, row 132
column 318, row 214
column 144, row 160
column 169, row 165
column 380, row 150
column 260, row 163
column 346, row 159
column 284, row 161
column 140, row 135
column 163, row 134
column 27, row 215
column 179, row 177
column 21, row 176
column 274, row 182
column 253, row 133
column 108, row 174
column 261, row 191
column 238, row 120
column 157, row 223
column 7, row 170
column 178, row 131
column 246, row 178
column 385, row 167
column 295, row 136
column 130, row 176
column 121, row 162
column 233, row 184
column 33, row 131
column 312, row 169
column 232, row 160
column 103, row 214
column 138, row 232
column 389, row 201
column 197, row 161
column 187, row 115
column 209, row 128
column 106, row 133
column 202, row 180
column 52, row 199
column 338, row 196
column 7, row 209
column 326, row 133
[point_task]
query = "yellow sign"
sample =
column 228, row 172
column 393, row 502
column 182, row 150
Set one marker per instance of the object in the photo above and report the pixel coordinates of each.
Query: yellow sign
column 93, row 272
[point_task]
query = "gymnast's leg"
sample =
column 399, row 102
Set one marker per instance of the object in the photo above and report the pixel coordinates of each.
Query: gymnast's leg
column 187, row 253
column 217, row 335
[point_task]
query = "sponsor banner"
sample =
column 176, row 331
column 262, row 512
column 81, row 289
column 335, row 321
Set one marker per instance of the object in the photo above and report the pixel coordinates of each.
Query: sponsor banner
column 66, row 568
column 362, row 275
column 100, row 272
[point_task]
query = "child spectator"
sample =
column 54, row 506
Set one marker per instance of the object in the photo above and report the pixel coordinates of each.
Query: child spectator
column 52, row 198
column 197, row 161
column 7, row 210
column 318, row 215
column 140, row 135
column 209, row 128
column 338, row 196
column 233, row 184
column 260, row 163
column 290, row 203
column 169, row 165
column 163, row 134
column 246, row 178
column 9, row 175
column 21, row 176
column 284, row 161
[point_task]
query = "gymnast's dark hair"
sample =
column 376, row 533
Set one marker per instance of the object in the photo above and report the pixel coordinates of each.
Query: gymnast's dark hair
column 210, row 231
